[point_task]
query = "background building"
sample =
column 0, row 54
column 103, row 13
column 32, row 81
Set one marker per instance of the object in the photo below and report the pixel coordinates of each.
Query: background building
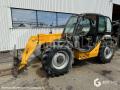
column 19, row 19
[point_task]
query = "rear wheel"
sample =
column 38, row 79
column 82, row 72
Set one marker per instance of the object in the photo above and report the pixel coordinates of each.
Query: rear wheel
column 106, row 52
column 57, row 61
column 118, row 39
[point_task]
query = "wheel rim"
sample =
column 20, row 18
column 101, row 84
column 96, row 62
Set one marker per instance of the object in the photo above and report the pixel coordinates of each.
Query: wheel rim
column 60, row 60
column 108, row 52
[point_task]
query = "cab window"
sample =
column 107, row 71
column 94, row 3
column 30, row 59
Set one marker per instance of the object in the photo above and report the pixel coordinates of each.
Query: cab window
column 84, row 25
column 101, row 25
column 109, row 25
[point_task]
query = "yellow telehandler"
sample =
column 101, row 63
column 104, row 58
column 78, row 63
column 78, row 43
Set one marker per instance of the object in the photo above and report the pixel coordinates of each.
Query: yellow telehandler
column 84, row 36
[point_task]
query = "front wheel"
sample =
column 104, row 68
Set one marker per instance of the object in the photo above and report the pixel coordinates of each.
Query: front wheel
column 57, row 61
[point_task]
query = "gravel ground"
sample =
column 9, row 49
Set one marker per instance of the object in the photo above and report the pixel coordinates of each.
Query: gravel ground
column 81, row 77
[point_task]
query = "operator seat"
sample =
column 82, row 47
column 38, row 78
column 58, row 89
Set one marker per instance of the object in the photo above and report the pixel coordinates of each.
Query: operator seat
column 92, row 33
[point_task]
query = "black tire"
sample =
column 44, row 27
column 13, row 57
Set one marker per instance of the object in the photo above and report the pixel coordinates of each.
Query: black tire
column 118, row 40
column 118, row 37
column 106, row 52
column 49, row 57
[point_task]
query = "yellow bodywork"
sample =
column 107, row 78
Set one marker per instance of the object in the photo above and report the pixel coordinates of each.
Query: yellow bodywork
column 48, row 38
column 85, row 55
column 32, row 44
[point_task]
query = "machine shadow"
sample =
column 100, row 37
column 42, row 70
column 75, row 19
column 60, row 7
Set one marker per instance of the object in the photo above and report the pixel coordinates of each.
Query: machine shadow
column 36, row 64
column 80, row 63
column 77, row 64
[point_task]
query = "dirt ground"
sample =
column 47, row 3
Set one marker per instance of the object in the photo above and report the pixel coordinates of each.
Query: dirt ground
column 85, row 75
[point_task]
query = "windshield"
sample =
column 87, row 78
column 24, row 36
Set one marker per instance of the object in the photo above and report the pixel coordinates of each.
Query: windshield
column 83, row 26
column 70, row 24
